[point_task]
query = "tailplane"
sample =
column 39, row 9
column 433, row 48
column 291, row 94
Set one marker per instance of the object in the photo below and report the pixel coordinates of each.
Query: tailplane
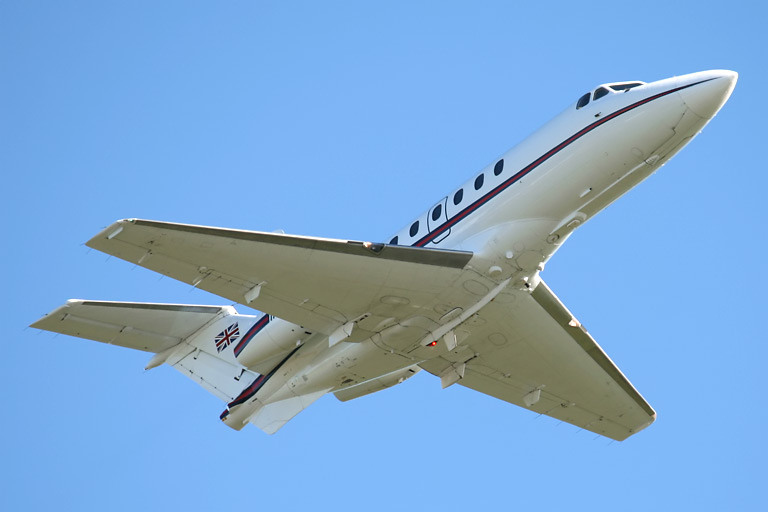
column 195, row 340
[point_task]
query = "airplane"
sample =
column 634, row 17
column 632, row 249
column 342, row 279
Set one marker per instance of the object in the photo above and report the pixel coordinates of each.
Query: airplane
column 457, row 292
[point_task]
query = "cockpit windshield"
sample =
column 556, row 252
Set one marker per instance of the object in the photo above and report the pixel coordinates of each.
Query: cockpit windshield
column 603, row 90
column 583, row 101
column 625, row 86
column 599, row 93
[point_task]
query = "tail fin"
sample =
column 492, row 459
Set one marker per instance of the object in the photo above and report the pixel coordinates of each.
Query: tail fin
column 193, row 339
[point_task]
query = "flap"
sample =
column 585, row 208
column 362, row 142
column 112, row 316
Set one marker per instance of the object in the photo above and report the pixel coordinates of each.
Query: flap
column 317, row 283
column 527, row 349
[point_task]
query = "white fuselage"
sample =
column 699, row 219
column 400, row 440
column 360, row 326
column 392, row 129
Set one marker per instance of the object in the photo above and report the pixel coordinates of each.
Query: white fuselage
column 514, row 214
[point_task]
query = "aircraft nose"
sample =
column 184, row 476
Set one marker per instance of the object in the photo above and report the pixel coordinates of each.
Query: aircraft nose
column 707, row 91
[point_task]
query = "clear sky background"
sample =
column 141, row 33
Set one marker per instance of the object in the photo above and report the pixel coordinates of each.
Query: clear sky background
column 344, row 120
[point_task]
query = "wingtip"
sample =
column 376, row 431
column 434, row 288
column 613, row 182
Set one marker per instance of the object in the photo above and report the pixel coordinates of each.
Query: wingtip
column 645, row 425
column 109, row 232
column 41, row 322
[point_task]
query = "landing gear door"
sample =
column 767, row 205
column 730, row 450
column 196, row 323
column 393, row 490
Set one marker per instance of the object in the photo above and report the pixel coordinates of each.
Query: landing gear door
column 437, row 219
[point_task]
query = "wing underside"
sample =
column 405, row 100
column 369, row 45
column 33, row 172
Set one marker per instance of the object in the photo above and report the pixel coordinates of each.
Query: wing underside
column 317, row 283
column 529, row 350
column 524, row 348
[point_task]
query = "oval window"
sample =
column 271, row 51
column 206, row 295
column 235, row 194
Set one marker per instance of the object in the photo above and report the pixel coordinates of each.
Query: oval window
column 393, row 241
column 437, row 212
column 479, row 182
column 498, row 167
column 414, row 228
column 458, row 196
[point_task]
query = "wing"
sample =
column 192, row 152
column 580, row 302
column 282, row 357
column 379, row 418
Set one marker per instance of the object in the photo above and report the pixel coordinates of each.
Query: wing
column 320, row 284
column 529, row 350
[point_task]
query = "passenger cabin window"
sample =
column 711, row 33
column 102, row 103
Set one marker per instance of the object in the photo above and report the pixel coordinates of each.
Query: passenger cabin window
column 393, row 241
column 414, row 228
column 599, row 93
column 583, row 101
column 498, row 167
column 458, row 196
column 479, row 182
column 437, row 211
column 625, row 87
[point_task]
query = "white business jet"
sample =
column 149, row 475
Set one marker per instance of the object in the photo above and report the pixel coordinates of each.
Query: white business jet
column 457, row 292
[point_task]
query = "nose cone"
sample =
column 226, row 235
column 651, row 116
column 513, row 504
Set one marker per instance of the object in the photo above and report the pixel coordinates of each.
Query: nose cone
column 706, row 92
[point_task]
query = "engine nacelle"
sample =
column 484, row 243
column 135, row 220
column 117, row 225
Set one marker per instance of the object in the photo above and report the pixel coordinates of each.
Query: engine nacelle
column 268, row 338
column 377, row 384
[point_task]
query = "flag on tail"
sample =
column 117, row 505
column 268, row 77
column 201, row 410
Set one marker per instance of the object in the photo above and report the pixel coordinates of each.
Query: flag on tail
column 227, row 336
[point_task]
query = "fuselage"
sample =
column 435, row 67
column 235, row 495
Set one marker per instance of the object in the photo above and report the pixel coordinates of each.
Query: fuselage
column 513, row 216
column 573, row 166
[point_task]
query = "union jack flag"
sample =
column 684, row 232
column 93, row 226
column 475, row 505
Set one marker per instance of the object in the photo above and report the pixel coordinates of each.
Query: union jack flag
column 227, row 336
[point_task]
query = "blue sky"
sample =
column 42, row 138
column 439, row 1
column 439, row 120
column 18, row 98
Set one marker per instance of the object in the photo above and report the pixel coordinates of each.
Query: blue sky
column 346, row 120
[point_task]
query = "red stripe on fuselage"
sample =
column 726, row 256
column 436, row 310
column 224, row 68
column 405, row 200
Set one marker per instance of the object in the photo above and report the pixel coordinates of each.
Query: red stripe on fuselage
column 253, row 331
column 530, row 167
column 257, row 384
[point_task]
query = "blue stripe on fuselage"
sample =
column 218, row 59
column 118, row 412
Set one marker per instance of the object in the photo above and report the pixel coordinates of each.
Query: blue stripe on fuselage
column 252, row 332
column 257, row 384
column 530, row 167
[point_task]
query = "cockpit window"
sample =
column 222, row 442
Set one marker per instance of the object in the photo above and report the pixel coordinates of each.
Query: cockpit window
column 599, row 93
column 583, row 101
column 625, row 87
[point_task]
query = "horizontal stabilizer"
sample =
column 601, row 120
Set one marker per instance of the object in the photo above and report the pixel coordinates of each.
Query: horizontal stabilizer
column 137, row 325
column 184, row 336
